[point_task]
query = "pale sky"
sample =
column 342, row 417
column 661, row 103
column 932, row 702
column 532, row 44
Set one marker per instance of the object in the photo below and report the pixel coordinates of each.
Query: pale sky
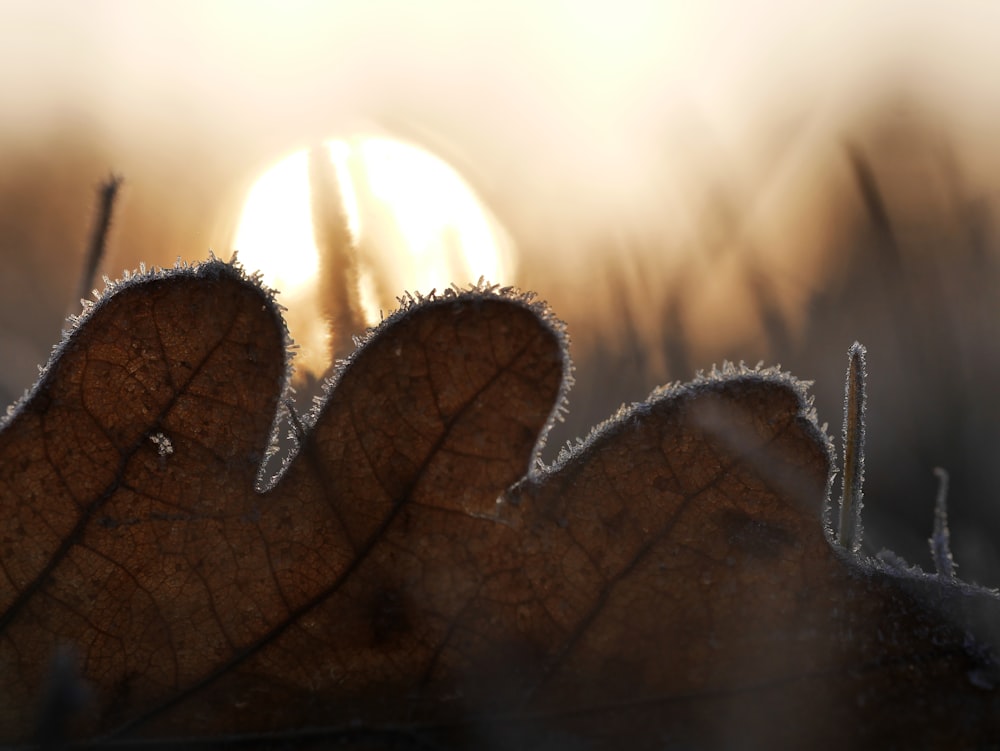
column 575, row 121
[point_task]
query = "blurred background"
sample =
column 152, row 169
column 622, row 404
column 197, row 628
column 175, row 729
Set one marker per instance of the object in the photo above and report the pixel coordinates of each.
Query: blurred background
column 685, row 183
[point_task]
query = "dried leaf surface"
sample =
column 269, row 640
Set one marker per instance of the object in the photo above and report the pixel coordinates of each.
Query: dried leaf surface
column 408, row 582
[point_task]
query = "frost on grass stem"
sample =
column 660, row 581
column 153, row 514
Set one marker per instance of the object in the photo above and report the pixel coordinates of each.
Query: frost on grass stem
column 853, row 475
column 941, row 538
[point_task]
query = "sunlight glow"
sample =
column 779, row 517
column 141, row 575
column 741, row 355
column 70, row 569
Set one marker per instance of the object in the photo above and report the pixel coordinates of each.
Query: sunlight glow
column 416, row 225
column 442, row 233
column 276, row 224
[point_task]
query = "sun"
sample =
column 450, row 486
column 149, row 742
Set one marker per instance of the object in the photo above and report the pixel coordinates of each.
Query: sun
column 416, row 226
column 275, row 232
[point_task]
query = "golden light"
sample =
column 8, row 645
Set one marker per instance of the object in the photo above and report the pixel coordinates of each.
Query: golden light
column 416, row 226
column 276, row 224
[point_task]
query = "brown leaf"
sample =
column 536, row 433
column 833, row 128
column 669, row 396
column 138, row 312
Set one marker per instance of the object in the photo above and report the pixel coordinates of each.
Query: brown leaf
column 669, row 582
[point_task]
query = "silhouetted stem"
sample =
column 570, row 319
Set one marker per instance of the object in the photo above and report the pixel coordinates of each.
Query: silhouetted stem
column 339, row 285
column 941, row 538
column 854, row 449
column 107, row 192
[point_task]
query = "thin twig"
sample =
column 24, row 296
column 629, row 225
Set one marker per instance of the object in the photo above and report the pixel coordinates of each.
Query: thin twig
column 941, row 538
column 107, row 192
column 854, row 449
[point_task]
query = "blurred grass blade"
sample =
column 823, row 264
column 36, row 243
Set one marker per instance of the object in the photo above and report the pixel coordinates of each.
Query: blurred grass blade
column 339, row 279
